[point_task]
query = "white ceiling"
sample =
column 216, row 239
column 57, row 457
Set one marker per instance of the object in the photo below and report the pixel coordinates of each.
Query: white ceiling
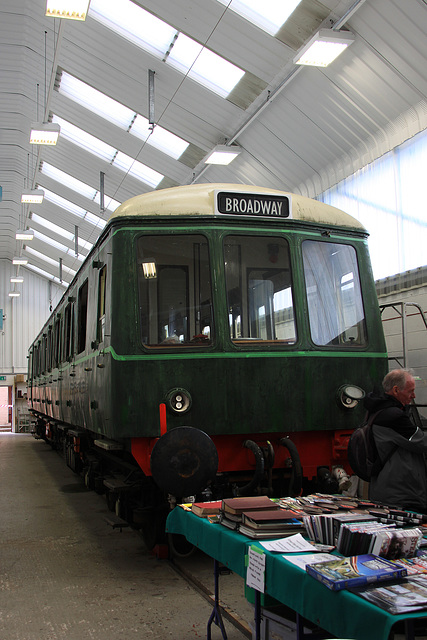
column 302, row 129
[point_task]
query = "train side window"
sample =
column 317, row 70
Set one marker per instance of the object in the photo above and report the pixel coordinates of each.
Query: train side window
column 259, row 290
column 175, row 293
column 68, row 347
column 82, row 317
column 100, row 330
column 57, row 343
column 335, row 306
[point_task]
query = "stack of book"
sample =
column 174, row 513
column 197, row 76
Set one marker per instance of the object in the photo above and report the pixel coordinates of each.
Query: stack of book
column 383, row 540
column 259, row 517
column 325, row 528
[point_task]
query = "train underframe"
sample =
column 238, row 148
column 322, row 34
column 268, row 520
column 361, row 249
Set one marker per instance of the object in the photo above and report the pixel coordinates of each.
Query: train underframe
column 135, row 498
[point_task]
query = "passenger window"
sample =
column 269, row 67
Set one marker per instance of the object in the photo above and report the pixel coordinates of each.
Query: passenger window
column 175, row 296
column 259, row 290
column 82, row 317
column 335, row 306
column 100, row 332
column 68, row 348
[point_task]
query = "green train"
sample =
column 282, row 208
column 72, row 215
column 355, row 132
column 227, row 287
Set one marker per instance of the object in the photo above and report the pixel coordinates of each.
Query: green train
column 217, row 340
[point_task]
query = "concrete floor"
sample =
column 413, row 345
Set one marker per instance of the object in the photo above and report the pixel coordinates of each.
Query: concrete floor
column 66, row 575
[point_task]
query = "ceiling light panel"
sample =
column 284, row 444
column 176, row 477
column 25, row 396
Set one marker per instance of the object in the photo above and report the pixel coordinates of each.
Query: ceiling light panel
column 71, row 9
column 165, row 42
column 268, row 15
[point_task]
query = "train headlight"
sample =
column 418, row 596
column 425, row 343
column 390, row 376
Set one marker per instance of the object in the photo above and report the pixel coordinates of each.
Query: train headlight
column 349, row 396
column 178, row 400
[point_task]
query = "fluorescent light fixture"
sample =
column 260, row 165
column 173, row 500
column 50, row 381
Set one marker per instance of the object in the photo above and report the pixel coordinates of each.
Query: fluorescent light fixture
column 166, row 43
column 268, row 15
column 222, row 154
column 32, row 196
column 14, row 294
column 44, row 133
column 17, row 279
column 149, row 268
column 27, row 234
column 71, row 9
column 20, row 261
column 324, row 47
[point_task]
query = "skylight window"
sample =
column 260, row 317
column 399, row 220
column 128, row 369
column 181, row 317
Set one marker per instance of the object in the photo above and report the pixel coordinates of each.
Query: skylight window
column 74, row 209
column 118, row 114
column 137, row 169
column 50, row 226
column 47, row 275
column 157, row 37
column 50, row 261
column 57, row 245
column 85, row 140
column 161, row 139
column 134, row 23
column 204, row 66
column 68, row 181
column 268, row 15
column 96, row 101
column 80, row 187
column 105, row 151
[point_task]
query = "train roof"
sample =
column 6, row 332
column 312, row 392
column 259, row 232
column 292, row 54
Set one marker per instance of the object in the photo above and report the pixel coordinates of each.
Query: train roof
column 199, row 200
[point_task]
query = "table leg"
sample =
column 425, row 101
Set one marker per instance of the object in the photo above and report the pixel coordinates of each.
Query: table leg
column 409, row 629
column 216, row 612
column 257, row 615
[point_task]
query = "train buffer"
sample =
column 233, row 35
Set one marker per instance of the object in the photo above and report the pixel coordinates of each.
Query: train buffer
column 115, row 522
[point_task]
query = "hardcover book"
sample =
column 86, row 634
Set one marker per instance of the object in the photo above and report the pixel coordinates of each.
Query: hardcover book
column 203, row 509
column 354, row 571
column 238, row 505
column 271, row 519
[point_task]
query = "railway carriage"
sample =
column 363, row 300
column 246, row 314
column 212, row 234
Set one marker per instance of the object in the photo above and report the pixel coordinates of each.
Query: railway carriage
column 216, row 341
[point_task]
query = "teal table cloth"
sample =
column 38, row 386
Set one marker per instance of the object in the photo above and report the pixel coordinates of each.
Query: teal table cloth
column 341, row 613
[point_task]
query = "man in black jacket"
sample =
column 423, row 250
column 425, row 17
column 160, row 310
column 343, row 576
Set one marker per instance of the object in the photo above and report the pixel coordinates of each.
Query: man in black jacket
column 402, row 482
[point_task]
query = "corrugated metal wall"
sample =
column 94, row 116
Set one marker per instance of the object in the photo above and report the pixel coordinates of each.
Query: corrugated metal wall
column 23, row 317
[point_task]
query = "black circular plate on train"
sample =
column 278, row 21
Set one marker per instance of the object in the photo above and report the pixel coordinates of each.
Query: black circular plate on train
column 183, row 461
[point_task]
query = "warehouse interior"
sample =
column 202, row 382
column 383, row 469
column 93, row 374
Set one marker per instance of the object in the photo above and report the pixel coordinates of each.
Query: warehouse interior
column 128, row 97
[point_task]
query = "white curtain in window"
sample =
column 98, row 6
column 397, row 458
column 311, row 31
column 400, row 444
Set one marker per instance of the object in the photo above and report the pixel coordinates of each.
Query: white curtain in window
column 389, row 198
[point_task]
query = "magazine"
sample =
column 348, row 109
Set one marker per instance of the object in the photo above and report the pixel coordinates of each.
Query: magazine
column 406, row 596
column 354, row 571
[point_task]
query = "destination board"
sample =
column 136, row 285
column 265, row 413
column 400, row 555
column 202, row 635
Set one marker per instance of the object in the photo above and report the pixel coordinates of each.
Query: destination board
column 241, row 203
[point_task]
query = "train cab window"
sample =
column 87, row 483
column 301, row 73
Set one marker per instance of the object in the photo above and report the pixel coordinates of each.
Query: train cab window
column 82, row 317
column 100, row 331
column 334, row 296
column 259, row 290
column 175, row 295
